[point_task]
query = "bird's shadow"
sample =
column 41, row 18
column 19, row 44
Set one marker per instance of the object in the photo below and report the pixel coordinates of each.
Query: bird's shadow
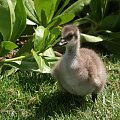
column 60, row 103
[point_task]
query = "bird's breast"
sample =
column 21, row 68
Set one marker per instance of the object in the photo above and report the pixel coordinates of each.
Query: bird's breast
column 73, row 80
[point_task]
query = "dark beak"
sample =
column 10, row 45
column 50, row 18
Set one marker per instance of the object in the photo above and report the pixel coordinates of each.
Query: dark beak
column 62, row 42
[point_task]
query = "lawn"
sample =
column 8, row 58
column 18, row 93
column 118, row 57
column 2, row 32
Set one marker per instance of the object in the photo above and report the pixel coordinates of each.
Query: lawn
column 34, row 96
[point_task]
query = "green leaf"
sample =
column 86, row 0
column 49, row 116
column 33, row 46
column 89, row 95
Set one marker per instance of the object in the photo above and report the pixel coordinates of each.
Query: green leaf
column 39, row 43
column 111, row 41
column 49, row 53
column 43, row 18
column 76, row 7
column 84, row 20
column 90, row 38
column 48, row 6
column 111, row 22
column 63, row 6
column 95, row 10
column 7, row 18
column 41, row 63
column 8, row 45
column 54, row 23
column 20, row 20
column 51, row 38
column 6, row 70
column 53, row 9
column 44, row 38
column 14, row 3
column 54, row 33
column 64, row 18
column 30, row 9
column 25, row 64
column 98, row 9
column 30, row 64
column 112, row 45
column 57, row 4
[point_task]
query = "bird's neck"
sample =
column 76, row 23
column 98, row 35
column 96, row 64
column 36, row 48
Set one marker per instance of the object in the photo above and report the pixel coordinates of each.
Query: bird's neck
column 74, row 50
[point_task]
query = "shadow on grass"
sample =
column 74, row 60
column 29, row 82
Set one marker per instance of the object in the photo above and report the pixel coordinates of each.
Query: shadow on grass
column 58, row 102
column 61, row 104
column 31, row 81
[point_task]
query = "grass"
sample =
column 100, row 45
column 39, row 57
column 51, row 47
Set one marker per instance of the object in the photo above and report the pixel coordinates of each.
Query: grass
column 33, row 96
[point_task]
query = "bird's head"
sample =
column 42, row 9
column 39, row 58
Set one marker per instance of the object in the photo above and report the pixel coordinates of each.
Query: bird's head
column 70, row 36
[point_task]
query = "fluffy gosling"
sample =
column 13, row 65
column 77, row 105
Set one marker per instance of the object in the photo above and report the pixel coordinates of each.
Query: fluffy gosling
column 80, row 71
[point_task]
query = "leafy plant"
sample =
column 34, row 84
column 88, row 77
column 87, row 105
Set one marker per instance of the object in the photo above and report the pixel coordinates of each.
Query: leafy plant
column 103, row 22
column 36, row 53
column 12, row 24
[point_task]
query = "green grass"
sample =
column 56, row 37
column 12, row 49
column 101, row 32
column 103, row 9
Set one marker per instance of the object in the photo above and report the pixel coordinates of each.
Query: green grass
column 32, row 96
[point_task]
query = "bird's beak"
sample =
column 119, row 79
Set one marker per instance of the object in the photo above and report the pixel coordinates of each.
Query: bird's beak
column 62, row 42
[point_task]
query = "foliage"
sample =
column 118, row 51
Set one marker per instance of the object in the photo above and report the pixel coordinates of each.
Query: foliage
column 102, row 19
column 12, row 23
column 43, row 36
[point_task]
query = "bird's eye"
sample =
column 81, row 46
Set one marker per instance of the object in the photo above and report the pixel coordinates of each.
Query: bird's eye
column 69, row 37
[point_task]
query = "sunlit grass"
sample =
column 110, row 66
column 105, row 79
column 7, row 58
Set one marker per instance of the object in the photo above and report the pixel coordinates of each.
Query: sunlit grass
column 32, row 96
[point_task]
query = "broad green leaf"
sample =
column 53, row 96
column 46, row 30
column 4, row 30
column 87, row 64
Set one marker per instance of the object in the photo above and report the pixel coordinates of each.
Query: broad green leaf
column 14, row 3
column 41, row 63
column 51, row 61
column 76, row 7
column 49, row 53
column 111, row 22
column 40, row 40
column 53, row 9
column 112, row 45
column 63, row 6
column 20, row 20
column 54, row 33
column 30, row 64
column 57, row 4
column 98, row 9
column 39, row 34
column 44, row 38
column 64, row 18
column 90, row 38
column 8, row 45
column 26, row 64
column 43, row 18
column 48, row 6
column 7, row 18
column 111, row 41
column 6, row 70
column 51, row 37
column 84, row 20
column 95, row 13
column 54, row 23
column 30, row 9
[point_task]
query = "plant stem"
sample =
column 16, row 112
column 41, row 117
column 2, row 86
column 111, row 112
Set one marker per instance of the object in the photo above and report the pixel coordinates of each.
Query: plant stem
column 14, row 59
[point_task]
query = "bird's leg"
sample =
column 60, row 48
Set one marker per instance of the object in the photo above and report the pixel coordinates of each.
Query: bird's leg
column 94, row 97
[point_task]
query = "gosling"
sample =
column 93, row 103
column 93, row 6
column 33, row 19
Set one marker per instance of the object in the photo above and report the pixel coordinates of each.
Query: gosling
column 80, row 71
